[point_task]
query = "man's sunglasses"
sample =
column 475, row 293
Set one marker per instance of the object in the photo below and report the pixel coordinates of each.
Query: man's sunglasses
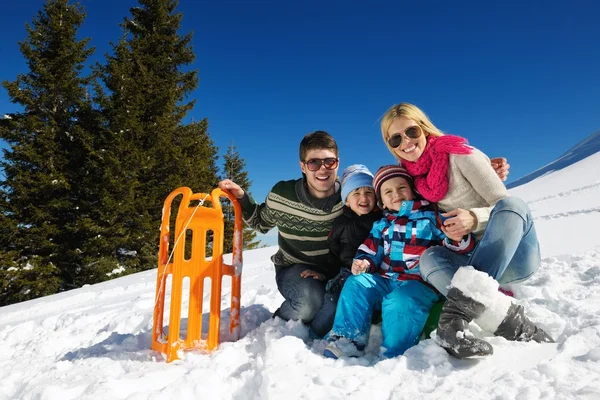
column 314, row 164
column 412, row 132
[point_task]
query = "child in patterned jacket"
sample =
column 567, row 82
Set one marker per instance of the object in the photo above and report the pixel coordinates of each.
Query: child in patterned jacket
column 386, row 271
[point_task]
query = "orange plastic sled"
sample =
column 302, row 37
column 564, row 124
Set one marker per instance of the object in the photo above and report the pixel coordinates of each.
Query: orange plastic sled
column 196, row 221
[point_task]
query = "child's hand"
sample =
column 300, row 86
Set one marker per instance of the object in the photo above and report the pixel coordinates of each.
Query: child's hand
column 307, row 273
column 360, row 266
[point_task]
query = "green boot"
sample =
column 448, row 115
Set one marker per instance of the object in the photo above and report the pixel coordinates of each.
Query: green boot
column 432, row 321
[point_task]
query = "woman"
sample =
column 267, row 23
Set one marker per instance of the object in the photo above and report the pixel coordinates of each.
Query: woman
column 462, row 181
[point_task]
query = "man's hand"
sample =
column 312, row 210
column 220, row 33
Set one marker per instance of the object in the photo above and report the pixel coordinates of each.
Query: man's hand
column 232, row 187
column 501, row 166
column 308, row 273
column 458, row 223
column 360, row 266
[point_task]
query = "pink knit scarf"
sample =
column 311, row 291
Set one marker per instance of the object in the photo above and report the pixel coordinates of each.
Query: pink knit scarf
column 430, row 171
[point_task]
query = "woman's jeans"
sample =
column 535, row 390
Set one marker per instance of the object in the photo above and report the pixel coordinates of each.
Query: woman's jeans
column 508, row 251
column 404, row 306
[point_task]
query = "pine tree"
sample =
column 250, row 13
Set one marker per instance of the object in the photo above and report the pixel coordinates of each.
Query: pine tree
column 233, row 168
column 198, row 158
column 44, row 207
column 144, row 104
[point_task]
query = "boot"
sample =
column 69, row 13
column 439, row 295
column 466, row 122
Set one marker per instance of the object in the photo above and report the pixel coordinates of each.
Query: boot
column 276, row 314
column 339, row 347
column 453, row 333
column 500, row 316
column 516, row 326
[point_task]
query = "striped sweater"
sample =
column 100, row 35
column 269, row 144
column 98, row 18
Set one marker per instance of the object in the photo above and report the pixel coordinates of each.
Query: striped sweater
column 303, row 223
column 396, row 242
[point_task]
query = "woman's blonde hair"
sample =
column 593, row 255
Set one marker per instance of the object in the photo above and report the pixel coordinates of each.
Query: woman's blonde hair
column 408, row 111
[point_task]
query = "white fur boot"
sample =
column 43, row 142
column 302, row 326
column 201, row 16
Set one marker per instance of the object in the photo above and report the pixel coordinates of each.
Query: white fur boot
column 501, row 316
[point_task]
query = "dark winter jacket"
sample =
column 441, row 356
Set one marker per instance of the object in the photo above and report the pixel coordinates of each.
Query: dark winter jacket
column 348, row 232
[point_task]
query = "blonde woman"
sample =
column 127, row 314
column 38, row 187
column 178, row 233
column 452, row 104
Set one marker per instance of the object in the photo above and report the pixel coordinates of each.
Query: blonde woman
column 461, row 179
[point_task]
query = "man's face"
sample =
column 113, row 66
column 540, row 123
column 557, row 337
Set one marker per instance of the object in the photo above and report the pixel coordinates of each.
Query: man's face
column 321, row 183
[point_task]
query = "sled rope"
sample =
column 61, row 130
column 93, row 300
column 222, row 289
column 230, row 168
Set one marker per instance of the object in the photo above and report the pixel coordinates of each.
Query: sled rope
column 162, row 283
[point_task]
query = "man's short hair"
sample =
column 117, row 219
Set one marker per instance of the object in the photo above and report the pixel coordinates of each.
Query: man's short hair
column 319, row 140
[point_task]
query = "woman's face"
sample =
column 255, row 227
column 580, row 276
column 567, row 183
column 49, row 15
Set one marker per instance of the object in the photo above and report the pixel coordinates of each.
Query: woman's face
column 409, row 149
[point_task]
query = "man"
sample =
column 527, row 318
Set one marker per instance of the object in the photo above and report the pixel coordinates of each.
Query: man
column 303, row 211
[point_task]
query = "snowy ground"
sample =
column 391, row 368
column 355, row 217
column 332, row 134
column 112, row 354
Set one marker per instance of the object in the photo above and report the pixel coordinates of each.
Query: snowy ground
column 94, row 342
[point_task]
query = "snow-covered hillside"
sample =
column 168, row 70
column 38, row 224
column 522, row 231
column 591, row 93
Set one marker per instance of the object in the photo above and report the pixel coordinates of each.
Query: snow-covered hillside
column 94, row 342
column 565, row 200
column 587, row 148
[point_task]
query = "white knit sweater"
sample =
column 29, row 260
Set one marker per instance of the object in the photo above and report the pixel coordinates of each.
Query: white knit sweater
column 473, row 185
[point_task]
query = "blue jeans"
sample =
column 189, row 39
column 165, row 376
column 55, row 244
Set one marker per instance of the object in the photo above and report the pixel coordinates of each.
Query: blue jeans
column 303, row 296
column 404, row 305
column 323, row 320
column 508, row 251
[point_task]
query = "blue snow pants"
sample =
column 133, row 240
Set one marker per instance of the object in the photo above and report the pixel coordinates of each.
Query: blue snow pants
column 404, row 305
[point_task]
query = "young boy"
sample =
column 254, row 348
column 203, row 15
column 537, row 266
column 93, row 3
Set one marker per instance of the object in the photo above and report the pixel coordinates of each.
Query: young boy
column 386, row 271
column 348, row 232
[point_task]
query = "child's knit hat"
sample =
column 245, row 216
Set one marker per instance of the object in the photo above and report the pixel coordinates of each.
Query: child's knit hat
column 354, row 177
column 387, row 172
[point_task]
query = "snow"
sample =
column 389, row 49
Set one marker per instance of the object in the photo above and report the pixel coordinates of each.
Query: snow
column 116, row 271
column 95, row 342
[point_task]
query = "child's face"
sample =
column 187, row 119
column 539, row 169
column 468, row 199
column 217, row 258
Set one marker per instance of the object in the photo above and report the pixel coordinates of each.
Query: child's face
column 394, row 191
column 361, row 200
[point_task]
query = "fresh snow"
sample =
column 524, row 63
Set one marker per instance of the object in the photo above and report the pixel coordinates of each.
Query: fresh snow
column 94, row 342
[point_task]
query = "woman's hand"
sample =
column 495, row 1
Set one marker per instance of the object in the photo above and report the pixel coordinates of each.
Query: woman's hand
column 456, row 238
column 458, row 223
column 501, row 166
column 360, row 266
column 231, row 187
column 308, row 273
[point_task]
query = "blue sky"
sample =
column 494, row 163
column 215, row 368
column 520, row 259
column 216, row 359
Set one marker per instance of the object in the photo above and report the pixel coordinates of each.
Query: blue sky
column 519, row 79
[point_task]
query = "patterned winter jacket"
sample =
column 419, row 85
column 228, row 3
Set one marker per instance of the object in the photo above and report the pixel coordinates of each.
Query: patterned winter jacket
column 396, row 242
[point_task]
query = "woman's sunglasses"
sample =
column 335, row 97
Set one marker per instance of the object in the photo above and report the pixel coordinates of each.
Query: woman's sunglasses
column 314, row 164
column 412, row 132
